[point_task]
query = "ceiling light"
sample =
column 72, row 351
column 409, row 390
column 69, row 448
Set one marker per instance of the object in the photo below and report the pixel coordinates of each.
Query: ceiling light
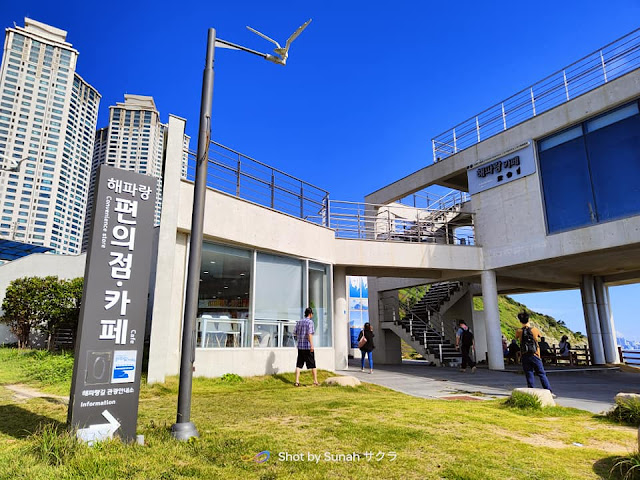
column 205, row 272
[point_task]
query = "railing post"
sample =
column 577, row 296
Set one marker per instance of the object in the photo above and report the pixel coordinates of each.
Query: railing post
column 388, row 223
column 327, row 211
column 433, row 147
column 424, row 338
column 273, row 189
column 604, row 68
column 440, row 353
column 301, row 200
column 358, row 223
column 566, row 85
column 238, row 178
column 411, row 325
column 418, row 223
column 533, row 102
column 455, row 142
column 504, row 118
column 478, row 129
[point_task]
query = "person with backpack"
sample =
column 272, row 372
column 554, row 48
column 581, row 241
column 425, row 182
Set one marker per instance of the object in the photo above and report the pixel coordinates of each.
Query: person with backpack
column 464, row 343
column 530, row 352
column 365, row 344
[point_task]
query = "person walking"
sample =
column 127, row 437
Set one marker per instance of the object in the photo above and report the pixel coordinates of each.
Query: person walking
column 304, row 336
column 464, row 343
column 366, row 346
column 530, row 352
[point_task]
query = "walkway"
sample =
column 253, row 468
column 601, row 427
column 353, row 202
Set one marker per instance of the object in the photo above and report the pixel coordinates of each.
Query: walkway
column 593, row 391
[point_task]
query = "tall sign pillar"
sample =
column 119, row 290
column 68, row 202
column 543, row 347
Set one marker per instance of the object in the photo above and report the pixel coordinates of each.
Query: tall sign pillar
column 108, row 360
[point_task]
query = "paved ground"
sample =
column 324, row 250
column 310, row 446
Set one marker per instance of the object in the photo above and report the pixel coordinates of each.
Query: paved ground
column 591, row 390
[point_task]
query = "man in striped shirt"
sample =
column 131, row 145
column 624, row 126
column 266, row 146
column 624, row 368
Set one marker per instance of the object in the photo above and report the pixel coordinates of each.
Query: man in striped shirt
column 304, row 336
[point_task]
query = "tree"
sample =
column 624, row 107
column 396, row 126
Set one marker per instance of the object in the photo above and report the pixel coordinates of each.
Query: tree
column 40, row 303
column 21, row 307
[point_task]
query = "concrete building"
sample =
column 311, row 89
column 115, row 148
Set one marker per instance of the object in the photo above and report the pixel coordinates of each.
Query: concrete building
column 134, row 140
column 48, row 115
column 536, row 208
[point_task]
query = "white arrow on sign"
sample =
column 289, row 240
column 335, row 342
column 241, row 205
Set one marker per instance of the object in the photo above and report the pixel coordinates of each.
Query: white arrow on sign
column 100, row 432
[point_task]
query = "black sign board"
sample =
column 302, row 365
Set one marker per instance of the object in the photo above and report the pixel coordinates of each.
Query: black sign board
column 108, row 359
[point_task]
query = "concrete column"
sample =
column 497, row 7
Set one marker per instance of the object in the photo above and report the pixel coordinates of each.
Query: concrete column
column 492, row 320
column 387, row 343
column 340, row 318
column 605, row 318
column 164, row 348
column 589, row 307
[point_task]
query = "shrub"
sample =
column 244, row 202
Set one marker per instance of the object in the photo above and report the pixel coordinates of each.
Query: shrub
column 626, row 411
column 231, row 378
column 628, row 467
column 523, row 401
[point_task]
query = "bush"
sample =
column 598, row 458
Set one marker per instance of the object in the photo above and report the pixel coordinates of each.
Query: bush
column 628, row 467
column 626, row 411
column 523, row 401
column 231, row 378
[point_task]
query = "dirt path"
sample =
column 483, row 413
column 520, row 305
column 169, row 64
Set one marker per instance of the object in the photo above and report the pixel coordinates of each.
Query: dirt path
column 21, row 392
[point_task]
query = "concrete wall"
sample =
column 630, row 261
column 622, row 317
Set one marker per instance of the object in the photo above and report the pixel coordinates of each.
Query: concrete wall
column 37, row 265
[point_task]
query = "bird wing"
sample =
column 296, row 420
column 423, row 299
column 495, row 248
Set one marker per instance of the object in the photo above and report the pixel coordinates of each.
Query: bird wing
column 295, row 34
column 264, row 36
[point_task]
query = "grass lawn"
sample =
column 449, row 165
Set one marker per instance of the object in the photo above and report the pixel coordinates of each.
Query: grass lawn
column 432, row 439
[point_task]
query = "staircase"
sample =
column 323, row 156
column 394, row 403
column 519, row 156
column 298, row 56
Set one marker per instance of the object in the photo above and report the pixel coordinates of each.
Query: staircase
column 421, row 325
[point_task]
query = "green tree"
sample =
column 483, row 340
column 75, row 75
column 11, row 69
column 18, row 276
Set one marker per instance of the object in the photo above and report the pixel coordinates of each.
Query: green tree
column 44, row 304
column 21, row 308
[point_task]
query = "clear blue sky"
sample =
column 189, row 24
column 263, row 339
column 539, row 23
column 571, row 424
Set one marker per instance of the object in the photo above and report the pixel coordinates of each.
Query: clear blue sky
column 366, row 87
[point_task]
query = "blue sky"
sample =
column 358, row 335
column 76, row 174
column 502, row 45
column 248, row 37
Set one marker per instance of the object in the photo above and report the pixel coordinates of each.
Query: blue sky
column 366, row 87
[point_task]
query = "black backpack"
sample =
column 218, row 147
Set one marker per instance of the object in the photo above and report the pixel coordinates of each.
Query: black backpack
column 528, row 344
column 466, row 338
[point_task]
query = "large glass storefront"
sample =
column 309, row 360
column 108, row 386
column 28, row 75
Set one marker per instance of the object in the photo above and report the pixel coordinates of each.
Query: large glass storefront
column 253, row 299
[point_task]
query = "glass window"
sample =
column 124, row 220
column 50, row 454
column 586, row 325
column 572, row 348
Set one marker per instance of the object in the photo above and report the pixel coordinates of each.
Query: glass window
column 319, row 301
column 223, row 297
column 592, row 177
column 278, row 299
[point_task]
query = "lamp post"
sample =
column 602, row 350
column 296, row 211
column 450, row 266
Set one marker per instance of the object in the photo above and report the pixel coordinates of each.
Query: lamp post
column 184, row 429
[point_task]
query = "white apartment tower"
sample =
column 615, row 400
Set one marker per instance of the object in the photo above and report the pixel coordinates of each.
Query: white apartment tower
column 48, row 115
column 134, row 140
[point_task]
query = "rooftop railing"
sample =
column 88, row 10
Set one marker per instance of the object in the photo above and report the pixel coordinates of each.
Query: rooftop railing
column 400, row 223
column 612, row 61
column 244, row 177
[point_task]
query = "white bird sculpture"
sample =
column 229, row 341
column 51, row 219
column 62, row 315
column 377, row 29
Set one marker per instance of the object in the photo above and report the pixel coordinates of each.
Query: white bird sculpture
column 282, row 53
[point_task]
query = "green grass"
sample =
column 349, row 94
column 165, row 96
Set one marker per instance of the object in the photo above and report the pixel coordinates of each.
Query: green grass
column 240, row 417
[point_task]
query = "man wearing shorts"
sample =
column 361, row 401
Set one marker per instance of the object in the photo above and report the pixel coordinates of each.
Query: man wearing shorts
column 304, row 335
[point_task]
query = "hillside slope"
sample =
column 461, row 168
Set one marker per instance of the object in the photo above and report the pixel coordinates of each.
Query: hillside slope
column 551, row 328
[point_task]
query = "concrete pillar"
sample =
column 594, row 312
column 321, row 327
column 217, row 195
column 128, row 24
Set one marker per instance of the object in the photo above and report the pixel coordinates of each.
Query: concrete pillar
column 165, row 327
column 387, row 343
column 605, row 318
column 589, row 307
column 492, row 320
column 340, row 318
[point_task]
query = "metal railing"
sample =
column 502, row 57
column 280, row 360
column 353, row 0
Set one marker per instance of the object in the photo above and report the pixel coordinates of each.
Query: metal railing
column 611, row 61
column 244, row 177
column 451, row 199
column 400, row 223
column 630, row 357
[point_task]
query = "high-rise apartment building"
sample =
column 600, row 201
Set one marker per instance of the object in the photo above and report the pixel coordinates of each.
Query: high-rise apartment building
column 48, row 115
column 134, row 140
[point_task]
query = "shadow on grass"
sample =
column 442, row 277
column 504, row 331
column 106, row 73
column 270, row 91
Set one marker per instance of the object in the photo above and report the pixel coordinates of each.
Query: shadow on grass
column 605, row 468
column 282, row 378
column 20, row 423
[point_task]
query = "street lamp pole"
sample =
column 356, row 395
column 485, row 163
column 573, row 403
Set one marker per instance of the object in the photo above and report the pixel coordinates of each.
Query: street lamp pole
column 184, row 429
